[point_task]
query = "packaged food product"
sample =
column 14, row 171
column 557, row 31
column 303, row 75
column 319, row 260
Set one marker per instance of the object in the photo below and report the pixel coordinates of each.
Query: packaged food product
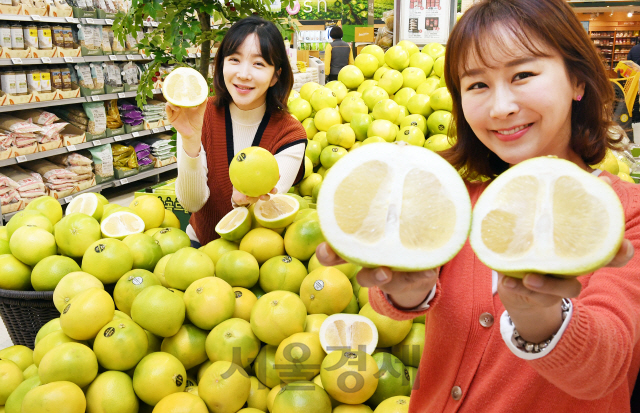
column 97, row 75
column 45, row 40
column 57, row 36
column 33, row 80
column 45, row 79
column 97, row 117
column 21, row 83
column 56, row 77
column 5, row 35
column 8, row 82
column 17, row 37
column 30, row 33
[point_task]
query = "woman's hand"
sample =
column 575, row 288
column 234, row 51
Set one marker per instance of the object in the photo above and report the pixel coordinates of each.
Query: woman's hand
column 405, row 289
column 533, row 302
column 242, row 200
column 188, row 122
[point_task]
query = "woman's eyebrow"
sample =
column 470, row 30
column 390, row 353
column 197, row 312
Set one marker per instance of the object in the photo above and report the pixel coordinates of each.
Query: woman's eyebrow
column 511, row 63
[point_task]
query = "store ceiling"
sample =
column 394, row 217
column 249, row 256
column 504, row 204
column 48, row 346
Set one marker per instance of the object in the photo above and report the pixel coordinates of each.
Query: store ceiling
column 588, row 6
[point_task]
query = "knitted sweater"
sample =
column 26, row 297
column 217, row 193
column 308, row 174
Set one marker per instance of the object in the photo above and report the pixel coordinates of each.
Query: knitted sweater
column 276, row 133
column 592, row 369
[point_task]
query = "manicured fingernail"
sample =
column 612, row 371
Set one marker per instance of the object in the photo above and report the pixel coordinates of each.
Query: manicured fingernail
column 509, row 282
column 380, row 275
column 630, row 249
column 534, row 280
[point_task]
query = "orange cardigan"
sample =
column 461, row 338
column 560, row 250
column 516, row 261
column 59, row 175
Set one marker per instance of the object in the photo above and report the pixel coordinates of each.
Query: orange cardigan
column 593, row 368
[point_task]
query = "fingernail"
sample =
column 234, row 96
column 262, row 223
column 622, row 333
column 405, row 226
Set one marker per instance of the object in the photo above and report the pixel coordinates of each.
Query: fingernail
column 534, row 280
column 630, row 249
column 509, row 282
column 380, row 275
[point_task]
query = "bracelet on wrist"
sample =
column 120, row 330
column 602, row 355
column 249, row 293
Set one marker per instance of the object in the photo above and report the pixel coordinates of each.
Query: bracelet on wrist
column 534, row 348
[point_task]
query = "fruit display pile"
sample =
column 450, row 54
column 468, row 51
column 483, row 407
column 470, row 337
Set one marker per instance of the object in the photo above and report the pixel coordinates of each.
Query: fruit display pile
column 397, row 95
column 248, row 322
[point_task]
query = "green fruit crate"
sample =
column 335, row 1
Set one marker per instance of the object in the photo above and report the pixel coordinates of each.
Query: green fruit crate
column 25, row 312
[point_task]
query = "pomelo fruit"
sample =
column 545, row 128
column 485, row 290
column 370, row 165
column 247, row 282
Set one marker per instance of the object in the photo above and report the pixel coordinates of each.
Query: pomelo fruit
column 438, row 143
column 29, row 217
column 309, row 126
column 158, row 310
column 435, row 50
column 32, row 244
column 171, row 240
column 107, row 259
column 326, row 118
column 15, row 274
column 360, row 124
column 188, row 346
column 234, row 225
column 413, row 77
column 277, row 315
column 306, row 91
column 307, row 185
column 48, row 272
column 356, row 379
column 390, row 332
column 609, row 163
column 282, row 272
column 422, row 61
column 185, row 87
column 391, row 379
column 348, row 331
column 374, row 95
column 181, row 403
column 567, row 197
column 21, row 355
column 263, row 244
column 351, row 76
column 421, row 199
column 59, row 397
column 14, row 401
column 150, row 208
column 278, row 212
column 411, row 135
column 48, row 206
column 429, row 86
column 52, row 340
column 257, row 400
column 301, row 396
column 145, row 250
column 121, row 224
column 71, row 285
column 75, row 233
column 209, row 301
column 170, row 220
column 322, row 98
column 439, row 122
column 157, row 376
column 376, row 51
column 300, row 108
column 339, row 89
column 326, row 290
column 419, row 105
column 341, row 135
column 186, row 266
column 239, row 269
column 85, row 315
column 409, row 350
column 130, row 285
column 386, row 109
column 216, row 248
column 120, row 345
column 403, row 95
column 441, row 99
column 224, row 387
column 254, row 171
column 383, row 128
column 72, row 362
column 112, row 392
column 302, row 238
column 160, row 267
column 391, row 81
column 299, row 357
column 367, row 63
column 397, row 58
column 321, row 138
column 396, row 404
column 87, row 204
column 265, row 368
column 233, row 341
column 245, row 299
column 10, row 378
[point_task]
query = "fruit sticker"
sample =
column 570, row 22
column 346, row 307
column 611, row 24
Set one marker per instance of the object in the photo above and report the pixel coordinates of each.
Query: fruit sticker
column 137, row 281
column 109, row 332
column 99, row 248
column 241, row 157
column 238, row 294
column 318, row 285
column 179, row 380
column 287, row 259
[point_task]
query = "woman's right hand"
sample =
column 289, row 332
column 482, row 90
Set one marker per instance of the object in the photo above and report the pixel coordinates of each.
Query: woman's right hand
column 406, row 290
column 188, row 122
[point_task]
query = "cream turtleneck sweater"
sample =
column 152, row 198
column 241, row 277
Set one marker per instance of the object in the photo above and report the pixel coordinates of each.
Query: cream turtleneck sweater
column 191, row 186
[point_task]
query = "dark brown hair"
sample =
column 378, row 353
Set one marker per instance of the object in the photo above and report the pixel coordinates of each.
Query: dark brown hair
column 273, row 52
column 550, row 22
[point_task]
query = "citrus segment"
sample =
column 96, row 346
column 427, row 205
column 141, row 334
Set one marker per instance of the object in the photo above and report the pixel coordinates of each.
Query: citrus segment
column 350, row 331
column 120, row 224
column 185, row 87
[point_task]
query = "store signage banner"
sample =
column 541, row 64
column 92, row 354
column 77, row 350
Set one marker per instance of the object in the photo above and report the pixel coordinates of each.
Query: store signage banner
column 354, row 12
column 425, row 21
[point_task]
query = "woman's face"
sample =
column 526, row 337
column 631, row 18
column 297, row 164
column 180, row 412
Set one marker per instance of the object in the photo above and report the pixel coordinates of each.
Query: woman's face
column 519, row 104
column 247, row 75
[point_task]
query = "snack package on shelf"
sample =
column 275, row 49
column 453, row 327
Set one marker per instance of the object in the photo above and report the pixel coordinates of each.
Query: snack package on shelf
column 113, row 115
column 97, row 118
column 102, row 163
column 30, row 183
column 143, row 152
column 130, row 113
column 9, row 195
column 112, row 77
column 131, row 75
column 163, row 152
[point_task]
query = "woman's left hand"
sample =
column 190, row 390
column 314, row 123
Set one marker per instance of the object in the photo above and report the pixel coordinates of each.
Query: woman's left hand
column 242, row 200
column 533, row 302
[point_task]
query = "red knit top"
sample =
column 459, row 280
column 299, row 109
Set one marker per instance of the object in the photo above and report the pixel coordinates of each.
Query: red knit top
column 277, row 132
column 592, row 369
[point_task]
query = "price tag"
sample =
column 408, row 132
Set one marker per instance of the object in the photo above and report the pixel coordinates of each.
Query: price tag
column 122, row 95
column 72, row 20
column 112, row 57
column 167, row 128
column 135, row 134
column 71, row 148
column 97, row 143
column 192, row 55
column 108, row 21
column 36, row 18
column 124, row 181
column 144, row 56
column 68, row 59
column 156, row 130
column 89, row 21
column 131, row 57
column 95, row 98
column 117, row 138
column 16, row 60
column 68, row 199
column 46, row 60
column 199, row 54
column 22, row 158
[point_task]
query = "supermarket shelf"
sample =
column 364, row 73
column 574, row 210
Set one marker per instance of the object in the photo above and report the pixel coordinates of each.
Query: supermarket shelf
column 44, row 19
column 110, row 184
column 85, row 145
column 58, row 102
column 82, row 59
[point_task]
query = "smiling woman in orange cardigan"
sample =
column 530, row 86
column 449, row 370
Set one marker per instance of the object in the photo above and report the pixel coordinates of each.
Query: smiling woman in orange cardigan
column 526, row 81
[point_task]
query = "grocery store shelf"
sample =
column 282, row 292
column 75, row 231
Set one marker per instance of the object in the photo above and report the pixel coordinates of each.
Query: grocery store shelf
column 110, row 184
column 44, row 19
column 85, row 145
column 58, row 102
column 82, row 59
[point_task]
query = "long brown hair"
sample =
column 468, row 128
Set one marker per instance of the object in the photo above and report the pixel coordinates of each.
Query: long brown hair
column 551, row 22
column 273, row 52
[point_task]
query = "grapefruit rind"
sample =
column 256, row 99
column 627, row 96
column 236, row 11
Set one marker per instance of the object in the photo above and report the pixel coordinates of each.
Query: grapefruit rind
column 399, row 206
column 547, row 215
column 234, row 225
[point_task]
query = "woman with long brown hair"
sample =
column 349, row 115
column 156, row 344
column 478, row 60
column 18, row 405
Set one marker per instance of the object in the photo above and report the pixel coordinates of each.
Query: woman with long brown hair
column 526, row 81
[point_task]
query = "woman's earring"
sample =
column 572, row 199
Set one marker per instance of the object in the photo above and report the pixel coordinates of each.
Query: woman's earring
column 579, row 98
